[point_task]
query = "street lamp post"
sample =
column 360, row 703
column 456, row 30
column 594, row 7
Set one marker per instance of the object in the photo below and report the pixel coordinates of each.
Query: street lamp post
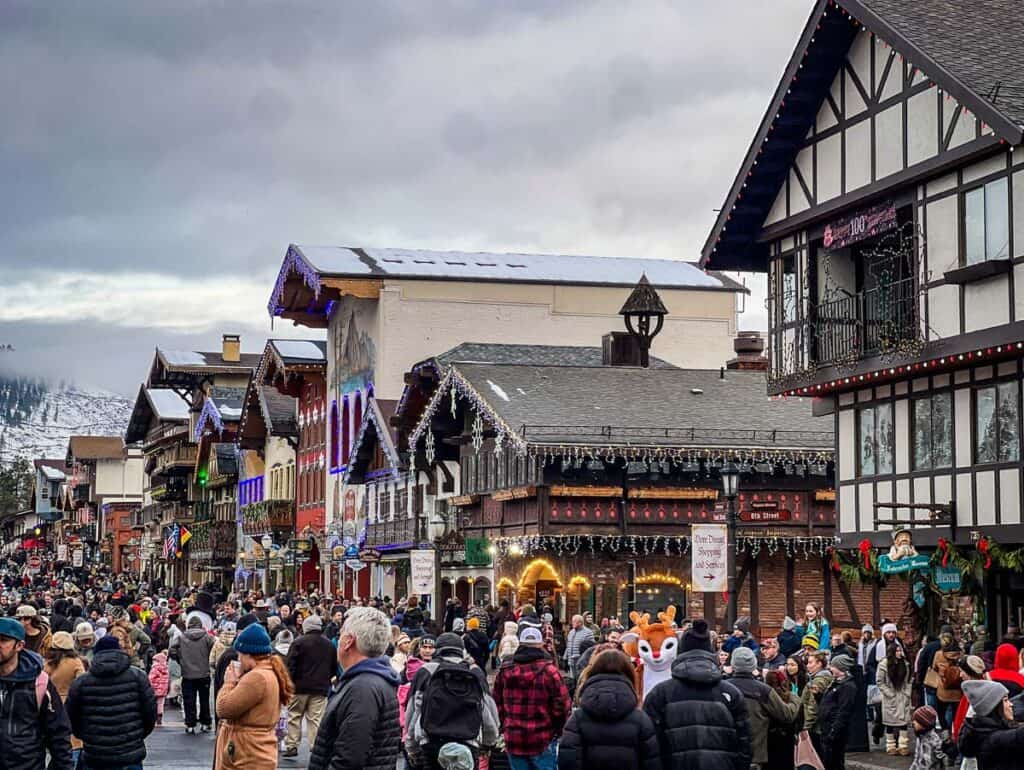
column 266, row 541
column 730, row 487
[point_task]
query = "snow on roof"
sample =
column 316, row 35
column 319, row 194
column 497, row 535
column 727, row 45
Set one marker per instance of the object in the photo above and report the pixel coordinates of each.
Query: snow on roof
column 183, row 358
column 167, row 404
column 52, row 474
column 308, row 349
column 537, row 268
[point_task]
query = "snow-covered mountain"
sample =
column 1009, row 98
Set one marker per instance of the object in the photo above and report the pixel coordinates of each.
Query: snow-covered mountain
column 36, row 418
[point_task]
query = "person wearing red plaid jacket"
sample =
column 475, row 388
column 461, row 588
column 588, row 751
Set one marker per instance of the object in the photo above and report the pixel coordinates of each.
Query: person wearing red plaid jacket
column 533, row 704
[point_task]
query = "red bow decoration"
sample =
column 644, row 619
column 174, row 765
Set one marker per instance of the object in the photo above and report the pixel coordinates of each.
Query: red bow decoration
column 834, row 554
column 865, row 550
column 944, row 549
column 983, row 549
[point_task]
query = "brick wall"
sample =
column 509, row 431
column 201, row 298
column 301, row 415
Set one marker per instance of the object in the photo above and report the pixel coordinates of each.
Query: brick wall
column 777, row 596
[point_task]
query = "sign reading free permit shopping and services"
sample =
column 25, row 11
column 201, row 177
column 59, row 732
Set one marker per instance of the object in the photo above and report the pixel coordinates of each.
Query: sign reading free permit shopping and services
column 709, row 564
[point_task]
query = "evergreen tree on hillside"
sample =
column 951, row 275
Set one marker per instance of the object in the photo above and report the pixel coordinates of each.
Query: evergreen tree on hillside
column 15, row 487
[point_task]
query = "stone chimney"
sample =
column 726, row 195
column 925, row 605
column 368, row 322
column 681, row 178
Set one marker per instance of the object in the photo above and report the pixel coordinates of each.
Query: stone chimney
column 231, row 348
column 749, row 347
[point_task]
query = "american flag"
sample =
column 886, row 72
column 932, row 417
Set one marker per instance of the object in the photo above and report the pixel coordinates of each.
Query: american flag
column 171, row 542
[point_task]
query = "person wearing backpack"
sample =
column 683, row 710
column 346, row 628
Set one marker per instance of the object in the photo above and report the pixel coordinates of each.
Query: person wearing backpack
column 30, row 707
column 947, row 666
column 449, row 702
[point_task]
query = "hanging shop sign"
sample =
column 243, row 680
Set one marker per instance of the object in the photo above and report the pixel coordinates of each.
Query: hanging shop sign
column 710, row 558
column 860, row 226
column 902, row 556
column 478, row 552
column 354, row 564
column 421, row 563
column 947, row 579
column 77, row 556
column 62, row 552
column 338, row 553
column 369, row 555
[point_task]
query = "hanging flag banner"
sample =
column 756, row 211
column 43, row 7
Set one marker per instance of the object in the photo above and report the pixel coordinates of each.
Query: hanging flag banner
column 709, row 567
column 185, row 536
column 422, row 564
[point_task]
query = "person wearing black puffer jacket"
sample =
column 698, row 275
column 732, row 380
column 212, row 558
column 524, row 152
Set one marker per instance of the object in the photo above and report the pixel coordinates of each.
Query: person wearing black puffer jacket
column 608, row 731
column 112, row 708
column 836, row 713
column 360, row 727
column 701, row 720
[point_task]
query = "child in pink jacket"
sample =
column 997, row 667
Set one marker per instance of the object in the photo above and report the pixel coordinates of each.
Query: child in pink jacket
column 160, row 680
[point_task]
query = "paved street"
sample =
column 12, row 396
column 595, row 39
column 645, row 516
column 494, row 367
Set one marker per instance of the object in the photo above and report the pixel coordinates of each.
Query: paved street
column 170, row 749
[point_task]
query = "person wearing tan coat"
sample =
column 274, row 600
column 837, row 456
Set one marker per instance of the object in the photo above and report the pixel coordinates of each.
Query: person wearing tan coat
column 63, row 666
column 256, row 686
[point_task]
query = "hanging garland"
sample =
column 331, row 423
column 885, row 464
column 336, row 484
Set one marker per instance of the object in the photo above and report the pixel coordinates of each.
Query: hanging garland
column 858, row 566
column 988, row 553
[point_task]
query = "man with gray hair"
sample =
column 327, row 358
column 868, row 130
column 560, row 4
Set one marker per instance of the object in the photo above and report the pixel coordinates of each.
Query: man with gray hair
column 360, row 726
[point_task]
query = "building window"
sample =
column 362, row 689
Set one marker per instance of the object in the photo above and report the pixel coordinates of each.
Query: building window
column 875, row 440
column 790, row 294
column 334, row 435
column 933, row 432
column 346, row 434
column 986, row 223
column 997, row 423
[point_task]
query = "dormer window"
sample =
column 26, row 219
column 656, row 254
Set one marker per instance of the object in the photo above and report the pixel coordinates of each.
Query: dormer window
column 986, row 223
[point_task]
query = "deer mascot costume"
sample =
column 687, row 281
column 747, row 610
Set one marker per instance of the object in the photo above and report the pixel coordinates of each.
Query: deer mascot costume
column 655, row 645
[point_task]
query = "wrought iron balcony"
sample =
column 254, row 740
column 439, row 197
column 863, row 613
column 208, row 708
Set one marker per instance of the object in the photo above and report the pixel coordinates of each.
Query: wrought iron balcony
column 884, row 320
column 870, row 323
column 268, row 516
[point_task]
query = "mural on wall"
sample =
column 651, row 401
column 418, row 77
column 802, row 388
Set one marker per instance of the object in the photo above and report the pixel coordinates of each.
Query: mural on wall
column 354, row 351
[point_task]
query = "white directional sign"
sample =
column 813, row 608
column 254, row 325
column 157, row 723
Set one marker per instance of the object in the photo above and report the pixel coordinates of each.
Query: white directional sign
column 710, row 558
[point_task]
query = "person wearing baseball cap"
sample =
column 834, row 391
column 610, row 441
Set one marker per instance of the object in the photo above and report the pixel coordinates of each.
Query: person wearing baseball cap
column 30, row 707
column 532, row 700
column 37, row 632
column 311, row 664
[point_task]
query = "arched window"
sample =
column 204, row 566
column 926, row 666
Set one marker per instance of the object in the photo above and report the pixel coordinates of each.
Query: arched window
column 357, row 414
column 346, row 431
column 334, row 434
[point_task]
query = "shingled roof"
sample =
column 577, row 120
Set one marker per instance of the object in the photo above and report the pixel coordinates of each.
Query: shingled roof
column 95, row 448
column 636, row 407
column 539, row 355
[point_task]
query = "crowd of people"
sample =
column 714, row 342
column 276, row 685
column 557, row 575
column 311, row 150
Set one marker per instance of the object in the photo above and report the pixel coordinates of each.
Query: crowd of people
column 89, row 665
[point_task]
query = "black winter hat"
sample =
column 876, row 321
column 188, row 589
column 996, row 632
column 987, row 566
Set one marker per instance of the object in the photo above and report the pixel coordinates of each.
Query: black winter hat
column 697, row 638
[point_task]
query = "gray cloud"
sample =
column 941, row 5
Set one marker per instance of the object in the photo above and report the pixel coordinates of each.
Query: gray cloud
column 197, row 139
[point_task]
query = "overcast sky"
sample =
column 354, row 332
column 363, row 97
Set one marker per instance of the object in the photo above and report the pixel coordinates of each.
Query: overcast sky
column 158, row 158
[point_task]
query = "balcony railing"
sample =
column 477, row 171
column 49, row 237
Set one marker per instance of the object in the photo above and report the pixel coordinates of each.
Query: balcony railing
column 268, row 516
column 213, row 541
column 174, row 490
column 872, row 322
column 225, row 510
column 391, row 532
column 177, row 456
column 202, row 511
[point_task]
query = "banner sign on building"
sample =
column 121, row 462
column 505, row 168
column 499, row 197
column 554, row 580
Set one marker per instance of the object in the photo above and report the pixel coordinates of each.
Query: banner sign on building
column 709, row 568
column 421, row 562
column 62, row 552
column 860, row 226
column 76, row 557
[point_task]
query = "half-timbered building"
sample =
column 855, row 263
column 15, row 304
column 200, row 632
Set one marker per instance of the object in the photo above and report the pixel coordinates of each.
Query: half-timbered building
column 883, row 195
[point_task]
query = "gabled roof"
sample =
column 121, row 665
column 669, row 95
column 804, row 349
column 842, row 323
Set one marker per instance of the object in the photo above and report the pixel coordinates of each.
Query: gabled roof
column 284, row 358
column 178, row 367
column 279, row 411
column 629, row 407
column 163, row 404
column 320, row 266
column 498, row 353
column 222, row 405
column 95, row 448
column 300, row 351
column 375, row 428
column 970, row 49
column 52, row 470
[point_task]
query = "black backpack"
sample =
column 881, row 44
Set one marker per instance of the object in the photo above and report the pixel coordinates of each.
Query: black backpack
column 453, row 704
